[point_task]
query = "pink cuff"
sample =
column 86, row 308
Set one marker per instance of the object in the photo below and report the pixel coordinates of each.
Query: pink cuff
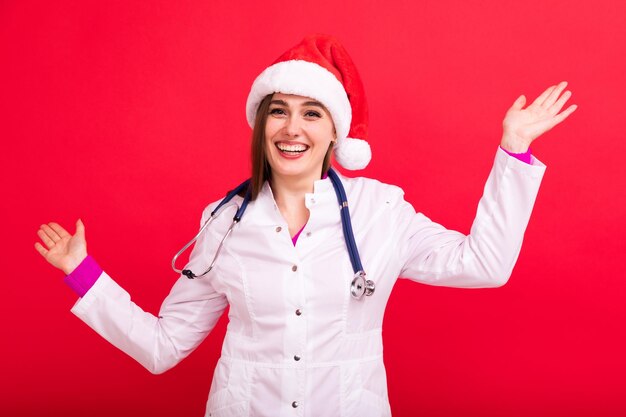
column 524, row 157
column 294, row 239
column 81, row 279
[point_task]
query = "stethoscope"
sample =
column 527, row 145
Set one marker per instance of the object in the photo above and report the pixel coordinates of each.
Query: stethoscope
column 359, row 286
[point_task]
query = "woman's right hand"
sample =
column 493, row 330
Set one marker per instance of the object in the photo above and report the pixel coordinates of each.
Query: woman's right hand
column 64, row 251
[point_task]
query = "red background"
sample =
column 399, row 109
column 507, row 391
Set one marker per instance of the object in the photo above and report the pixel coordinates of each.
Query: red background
column 131, row 116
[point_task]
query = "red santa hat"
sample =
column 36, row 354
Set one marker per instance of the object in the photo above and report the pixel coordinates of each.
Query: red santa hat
column 320, row 68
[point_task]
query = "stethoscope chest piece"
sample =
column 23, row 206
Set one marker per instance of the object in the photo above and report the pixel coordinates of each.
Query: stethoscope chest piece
column 361, row 286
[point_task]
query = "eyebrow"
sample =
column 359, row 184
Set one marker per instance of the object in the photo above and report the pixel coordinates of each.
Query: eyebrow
column 307, row 103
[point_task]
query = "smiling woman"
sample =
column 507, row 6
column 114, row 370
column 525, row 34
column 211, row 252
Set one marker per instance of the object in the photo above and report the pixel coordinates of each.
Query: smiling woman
column 302, row 338
column 290, row 128
column 298, row 133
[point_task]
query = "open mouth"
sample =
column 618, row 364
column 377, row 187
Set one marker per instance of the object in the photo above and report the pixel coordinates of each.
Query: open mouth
column 291, row 149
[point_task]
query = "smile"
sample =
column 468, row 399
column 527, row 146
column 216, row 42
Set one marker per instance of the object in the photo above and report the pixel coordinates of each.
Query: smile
column 291, row 149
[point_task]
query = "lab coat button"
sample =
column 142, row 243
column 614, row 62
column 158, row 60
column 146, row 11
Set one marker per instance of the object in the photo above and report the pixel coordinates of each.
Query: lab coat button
column 298, row 312
column 278, row 229
column 294, row 268
column 296, row 358
column 312, row 200
column 294, row 404
column 308, row 234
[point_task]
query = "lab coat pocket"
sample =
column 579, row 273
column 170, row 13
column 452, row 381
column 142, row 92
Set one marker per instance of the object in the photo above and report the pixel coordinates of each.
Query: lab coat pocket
column 365, row 403
column 364, row 387
column 230, row 391
column 373, row 405
column 223, row 403
column 241, row 409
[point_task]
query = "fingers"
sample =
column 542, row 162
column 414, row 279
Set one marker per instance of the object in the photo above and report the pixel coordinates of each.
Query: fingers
column 80, row 228
column 560, row 117
column 554, row 94
column 556, row 107
column 519, row 103
column 42, row 251
column 52, row 233
column 539, row 100
column 49, row 236
column 61, row 232
column 549, row 123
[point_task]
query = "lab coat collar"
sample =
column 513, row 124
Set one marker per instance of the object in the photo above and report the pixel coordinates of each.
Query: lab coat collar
column 266, row 210
column 319, row 187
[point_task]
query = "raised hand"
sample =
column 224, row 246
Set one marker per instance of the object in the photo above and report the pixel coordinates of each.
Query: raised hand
column 64, row 251
column 522, row 126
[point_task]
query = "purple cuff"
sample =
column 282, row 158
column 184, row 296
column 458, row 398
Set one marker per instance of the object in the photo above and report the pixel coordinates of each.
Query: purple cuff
column 524, row 157
column 81, row 279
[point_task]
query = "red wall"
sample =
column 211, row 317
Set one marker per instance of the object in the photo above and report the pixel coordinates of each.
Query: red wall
column 132, row 118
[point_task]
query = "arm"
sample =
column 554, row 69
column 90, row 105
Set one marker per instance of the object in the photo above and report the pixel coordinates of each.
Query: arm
column 434, row 255
column 485, row 258
column 186, row 317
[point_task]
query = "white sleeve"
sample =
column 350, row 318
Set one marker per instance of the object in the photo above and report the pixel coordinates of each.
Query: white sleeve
column 186, row 317
column 434, row 255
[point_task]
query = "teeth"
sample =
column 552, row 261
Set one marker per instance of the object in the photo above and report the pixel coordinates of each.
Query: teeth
column 291, row 148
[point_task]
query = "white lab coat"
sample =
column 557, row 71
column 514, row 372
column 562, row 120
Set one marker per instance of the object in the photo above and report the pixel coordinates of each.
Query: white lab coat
column 297, row 344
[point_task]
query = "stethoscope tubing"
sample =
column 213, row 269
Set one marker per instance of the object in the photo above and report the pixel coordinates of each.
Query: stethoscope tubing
column 359, row 286
column 346, row 222
column 238, row 215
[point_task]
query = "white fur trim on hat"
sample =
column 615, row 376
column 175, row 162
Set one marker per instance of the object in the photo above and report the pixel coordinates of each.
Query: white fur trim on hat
column 353, row 154
column 306, row 79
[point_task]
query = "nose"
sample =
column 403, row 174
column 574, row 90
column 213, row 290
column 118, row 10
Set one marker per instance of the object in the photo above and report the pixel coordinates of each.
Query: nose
column 293, row 126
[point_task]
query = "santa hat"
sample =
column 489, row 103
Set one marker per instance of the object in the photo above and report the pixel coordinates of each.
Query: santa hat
column 320, row 68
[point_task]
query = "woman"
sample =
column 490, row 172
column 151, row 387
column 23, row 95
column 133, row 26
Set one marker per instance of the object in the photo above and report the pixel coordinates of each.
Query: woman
column 298, row 342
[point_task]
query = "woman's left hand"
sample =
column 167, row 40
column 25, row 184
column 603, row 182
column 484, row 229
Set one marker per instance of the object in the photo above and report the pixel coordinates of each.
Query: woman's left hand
column 522, row 126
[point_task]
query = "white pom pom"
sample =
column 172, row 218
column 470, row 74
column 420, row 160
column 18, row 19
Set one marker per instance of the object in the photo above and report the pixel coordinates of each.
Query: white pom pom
column 353, row 153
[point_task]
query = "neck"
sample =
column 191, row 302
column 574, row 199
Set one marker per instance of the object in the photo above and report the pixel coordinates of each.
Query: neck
column 289, row 191
column 289, row 196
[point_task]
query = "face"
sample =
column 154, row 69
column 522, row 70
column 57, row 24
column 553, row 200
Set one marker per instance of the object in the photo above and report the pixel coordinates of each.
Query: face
column 298, row 132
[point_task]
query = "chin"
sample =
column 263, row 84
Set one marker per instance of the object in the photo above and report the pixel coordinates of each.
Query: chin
column 293, row 171
column 290, row 172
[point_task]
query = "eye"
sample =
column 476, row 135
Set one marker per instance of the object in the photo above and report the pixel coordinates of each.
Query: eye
column 312, row 113
column 277, row 110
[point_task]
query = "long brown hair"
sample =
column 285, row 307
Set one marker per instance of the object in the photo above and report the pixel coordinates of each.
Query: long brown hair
column 261, row 170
